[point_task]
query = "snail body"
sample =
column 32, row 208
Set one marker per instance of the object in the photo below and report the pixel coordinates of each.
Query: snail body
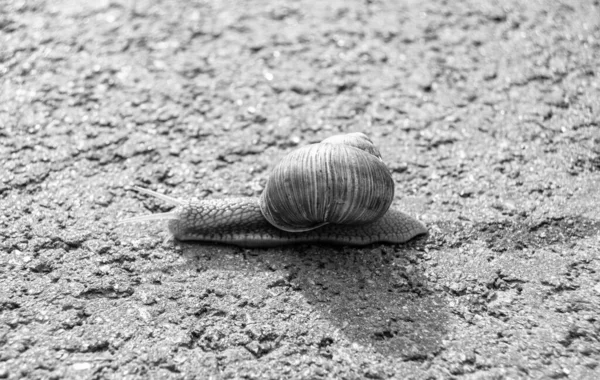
column 338, row 192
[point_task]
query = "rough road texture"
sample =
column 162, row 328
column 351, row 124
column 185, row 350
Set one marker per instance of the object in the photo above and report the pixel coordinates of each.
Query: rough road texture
column 488, row 116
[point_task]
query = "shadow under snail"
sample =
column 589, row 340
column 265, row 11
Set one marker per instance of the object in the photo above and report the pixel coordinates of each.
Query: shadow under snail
column 338, row 191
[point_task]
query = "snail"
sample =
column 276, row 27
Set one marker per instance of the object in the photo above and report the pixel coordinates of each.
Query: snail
column 338, row 191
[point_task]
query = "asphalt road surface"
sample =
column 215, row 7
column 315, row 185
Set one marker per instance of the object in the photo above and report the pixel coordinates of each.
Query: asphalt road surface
column 486, row 112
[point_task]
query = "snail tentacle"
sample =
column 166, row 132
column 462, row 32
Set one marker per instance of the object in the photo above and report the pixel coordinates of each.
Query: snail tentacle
column 166, row 198
column 148, row 218
column 151, row 217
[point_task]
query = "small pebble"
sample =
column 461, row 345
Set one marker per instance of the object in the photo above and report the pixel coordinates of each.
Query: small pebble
column 82, row 366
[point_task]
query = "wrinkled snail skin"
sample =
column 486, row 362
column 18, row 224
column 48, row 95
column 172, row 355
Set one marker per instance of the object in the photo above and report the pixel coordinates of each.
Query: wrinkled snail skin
column 239, row 221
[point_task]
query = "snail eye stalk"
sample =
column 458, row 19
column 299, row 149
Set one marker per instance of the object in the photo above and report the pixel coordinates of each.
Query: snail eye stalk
column 161, row 216
column 154, row 194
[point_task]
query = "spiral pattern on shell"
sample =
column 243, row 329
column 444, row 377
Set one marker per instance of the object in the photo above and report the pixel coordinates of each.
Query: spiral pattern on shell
column 327, row 183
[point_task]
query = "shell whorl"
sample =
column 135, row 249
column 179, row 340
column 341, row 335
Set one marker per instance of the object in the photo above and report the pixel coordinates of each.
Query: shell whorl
column 356, row 139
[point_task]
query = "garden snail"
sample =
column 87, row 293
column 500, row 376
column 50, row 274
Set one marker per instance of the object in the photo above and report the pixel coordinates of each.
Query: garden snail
column 338, row 191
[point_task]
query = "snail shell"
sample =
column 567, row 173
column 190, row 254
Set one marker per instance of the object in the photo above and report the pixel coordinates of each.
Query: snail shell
column 341, row 180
